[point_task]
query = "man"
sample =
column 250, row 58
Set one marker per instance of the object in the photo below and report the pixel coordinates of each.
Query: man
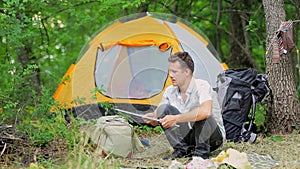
column 185, row 112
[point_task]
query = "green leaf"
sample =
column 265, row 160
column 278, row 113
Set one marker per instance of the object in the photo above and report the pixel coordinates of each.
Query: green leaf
column 276, row 138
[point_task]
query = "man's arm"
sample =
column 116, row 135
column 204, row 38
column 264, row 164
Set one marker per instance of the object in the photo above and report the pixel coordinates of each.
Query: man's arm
column 201, row 112
column 164, row 100
column 152, row 122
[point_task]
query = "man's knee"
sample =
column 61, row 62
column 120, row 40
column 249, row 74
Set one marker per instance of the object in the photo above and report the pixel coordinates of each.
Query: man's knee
column 205, row 129
column 208, row 124
column 166, row 109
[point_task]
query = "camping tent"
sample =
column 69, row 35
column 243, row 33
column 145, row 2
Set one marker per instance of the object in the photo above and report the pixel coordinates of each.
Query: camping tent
column 127, row 63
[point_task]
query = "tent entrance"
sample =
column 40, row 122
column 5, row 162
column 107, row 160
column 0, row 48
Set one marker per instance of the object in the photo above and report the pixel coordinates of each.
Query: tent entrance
column 131, row 72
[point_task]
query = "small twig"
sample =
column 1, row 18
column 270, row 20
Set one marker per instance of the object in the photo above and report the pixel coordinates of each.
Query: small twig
column 5, row 126
column 9, row 135
column 10, row 138
column 34, row 155
column 3, row 149
column 16, row 119
column 296, row 21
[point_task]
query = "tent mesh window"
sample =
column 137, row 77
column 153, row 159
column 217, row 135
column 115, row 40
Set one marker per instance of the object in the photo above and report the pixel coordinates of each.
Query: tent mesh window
column 131, row 72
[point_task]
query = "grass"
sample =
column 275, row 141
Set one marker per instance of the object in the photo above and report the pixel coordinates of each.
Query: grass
column 285, row 149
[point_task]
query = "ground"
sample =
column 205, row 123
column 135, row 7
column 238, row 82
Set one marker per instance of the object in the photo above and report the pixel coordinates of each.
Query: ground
column 283, row 149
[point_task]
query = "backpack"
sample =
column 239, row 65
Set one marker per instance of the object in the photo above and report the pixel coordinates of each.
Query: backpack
column 113, row 135
column 238, row 92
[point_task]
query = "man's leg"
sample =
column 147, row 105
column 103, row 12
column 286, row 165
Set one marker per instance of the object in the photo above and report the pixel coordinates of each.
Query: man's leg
column 175, row 134
column 207, row 137
column 216, row 139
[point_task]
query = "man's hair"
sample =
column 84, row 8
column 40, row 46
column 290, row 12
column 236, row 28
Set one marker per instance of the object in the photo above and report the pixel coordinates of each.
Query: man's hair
column 184, row 59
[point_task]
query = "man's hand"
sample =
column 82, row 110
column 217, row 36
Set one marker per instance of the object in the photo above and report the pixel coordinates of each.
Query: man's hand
column 152, row 122
column 169, row 121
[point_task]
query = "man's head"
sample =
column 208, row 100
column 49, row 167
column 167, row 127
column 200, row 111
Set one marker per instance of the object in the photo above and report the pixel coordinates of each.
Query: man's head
column 184, row 59
column 181, row 67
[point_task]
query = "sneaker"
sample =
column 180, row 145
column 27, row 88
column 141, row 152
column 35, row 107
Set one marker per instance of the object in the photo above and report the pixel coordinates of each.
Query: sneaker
column 204, row 155
column 176, row 154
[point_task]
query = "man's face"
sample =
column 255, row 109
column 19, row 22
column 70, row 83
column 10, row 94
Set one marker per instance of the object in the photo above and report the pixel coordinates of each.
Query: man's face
column 177, row 74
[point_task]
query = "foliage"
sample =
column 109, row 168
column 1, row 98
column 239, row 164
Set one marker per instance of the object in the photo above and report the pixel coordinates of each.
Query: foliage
column 143, row 129
column 158, row 129
column 276, row 138
column 19, row 96
column 147, row 131
column 260, row 118
column 43, row 131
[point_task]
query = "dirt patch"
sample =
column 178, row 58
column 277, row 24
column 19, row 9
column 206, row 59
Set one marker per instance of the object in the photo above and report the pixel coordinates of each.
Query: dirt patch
column 20, row 153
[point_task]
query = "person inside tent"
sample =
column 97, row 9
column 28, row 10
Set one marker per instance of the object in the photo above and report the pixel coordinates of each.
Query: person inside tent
column 188, row 112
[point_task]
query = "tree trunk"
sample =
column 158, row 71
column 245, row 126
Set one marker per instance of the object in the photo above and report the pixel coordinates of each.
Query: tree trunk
column 35, row 79
column 283, row 112
column 294, row 57
column 240, row 51
column 218, row 33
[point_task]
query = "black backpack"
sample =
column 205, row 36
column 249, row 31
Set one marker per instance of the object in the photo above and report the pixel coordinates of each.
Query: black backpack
column 238, row 91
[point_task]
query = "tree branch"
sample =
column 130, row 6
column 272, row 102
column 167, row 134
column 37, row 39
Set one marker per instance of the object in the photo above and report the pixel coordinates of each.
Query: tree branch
column 65, row 9
column 252, row 61
column 47, row 35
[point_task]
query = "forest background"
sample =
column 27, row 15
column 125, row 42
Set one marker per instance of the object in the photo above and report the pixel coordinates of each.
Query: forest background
column 40, row 39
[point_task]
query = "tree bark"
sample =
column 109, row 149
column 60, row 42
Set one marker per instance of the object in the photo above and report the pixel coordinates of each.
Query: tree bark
column 34, row 80
column 294, row 57
column 240, row 54
column 283, row 112
column 218, row 33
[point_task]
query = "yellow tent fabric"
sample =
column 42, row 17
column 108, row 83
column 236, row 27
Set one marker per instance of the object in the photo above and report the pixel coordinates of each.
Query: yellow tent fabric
column 78, row 84
column 64, row 90
column 140, row 32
